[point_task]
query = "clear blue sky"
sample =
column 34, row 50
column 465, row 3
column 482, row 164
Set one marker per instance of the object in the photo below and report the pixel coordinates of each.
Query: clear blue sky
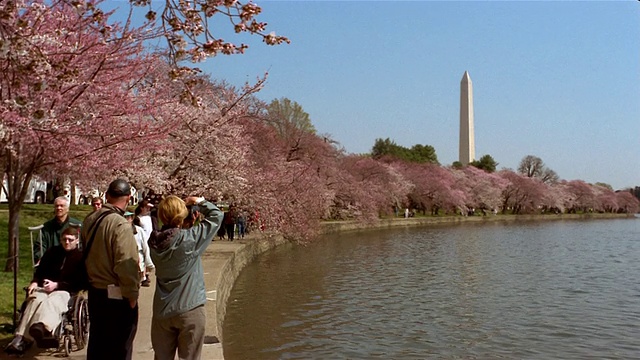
column 556, row 79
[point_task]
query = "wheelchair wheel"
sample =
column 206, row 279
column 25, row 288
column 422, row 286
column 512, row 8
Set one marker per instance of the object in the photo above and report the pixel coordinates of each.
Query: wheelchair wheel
column 81, row 322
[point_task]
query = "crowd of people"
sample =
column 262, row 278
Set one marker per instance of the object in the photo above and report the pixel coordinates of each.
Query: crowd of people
column 117, row 249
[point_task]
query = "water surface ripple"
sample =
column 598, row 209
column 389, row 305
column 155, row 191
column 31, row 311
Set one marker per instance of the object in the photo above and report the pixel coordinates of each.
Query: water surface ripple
column 531, row 290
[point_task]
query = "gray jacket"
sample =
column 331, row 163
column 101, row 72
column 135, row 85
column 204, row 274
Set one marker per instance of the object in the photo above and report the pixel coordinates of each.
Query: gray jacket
column 176, row 254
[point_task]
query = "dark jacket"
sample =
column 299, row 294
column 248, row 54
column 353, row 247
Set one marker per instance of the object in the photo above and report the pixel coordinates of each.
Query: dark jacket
column 51, row 231
column 60, row 266
column 176, row 253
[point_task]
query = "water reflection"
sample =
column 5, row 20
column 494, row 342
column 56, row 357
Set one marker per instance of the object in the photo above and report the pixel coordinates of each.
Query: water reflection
column 532, row 290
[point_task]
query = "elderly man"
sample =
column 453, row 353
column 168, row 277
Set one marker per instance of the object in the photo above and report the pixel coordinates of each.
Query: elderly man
column 112, row 266
column 52, row 229
column 53, row 282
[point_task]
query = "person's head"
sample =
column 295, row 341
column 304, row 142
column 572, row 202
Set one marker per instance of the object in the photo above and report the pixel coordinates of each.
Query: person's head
column 61, row 208
column 119, row 193
column 96, row 203
column 69, row 238
column 144, row 208
column 172, row 211
column 129, row 216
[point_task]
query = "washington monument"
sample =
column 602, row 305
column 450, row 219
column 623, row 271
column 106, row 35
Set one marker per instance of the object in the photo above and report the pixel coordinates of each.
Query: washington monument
column 467, row 142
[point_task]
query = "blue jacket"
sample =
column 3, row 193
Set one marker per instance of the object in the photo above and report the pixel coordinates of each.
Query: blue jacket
column 176, row 254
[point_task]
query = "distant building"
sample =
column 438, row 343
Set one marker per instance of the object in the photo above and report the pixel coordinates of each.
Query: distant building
column 467, row 141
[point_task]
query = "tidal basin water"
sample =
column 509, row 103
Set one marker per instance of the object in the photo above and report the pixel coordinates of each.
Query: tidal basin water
column 525, row 290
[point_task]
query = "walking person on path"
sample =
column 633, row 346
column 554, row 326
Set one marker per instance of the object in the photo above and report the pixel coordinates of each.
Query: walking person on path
column 229, row 221
column 179, row 318
column 114, row 281
column 241, row 222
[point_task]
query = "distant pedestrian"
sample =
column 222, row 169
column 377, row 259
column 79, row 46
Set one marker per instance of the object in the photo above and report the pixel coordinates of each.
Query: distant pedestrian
column 230, row 222
column 112, row 267
column 241, row 223
column 179, row 319
column 144, row 258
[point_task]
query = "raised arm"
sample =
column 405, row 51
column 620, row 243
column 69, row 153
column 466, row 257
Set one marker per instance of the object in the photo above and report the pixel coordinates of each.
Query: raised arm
column 207, row 229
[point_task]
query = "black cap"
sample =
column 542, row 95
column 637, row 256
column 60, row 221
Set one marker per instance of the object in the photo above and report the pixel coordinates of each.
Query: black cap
column 118, row 188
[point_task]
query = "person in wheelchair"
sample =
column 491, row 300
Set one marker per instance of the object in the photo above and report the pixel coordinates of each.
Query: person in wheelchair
column 48, row 294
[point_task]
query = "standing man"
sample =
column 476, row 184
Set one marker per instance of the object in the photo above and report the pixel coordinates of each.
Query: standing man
column 112, row 267
column 52, row 229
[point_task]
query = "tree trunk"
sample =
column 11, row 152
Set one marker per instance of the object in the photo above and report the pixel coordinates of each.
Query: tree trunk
column 14, row 231
column 16, row 192
column 72, row 192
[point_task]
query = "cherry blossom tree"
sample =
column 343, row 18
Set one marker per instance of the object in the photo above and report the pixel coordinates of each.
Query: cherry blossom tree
column 187, row 26
column 70, row 96
column 483, row 188
column 523, row 194
column 556, row 199
column 627, row 203
column 366, row 188
column 205, row 152
column 582, row 198
column 433, row 187
column 288, row 185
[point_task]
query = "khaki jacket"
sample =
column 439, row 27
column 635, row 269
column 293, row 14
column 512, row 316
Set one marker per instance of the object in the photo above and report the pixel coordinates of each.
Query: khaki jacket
column 113, row 257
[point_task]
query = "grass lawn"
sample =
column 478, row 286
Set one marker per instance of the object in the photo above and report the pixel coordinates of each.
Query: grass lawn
column 31, row 215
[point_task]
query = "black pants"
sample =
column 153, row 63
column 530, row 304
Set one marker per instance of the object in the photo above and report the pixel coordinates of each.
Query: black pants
column 113, row 327
column 230, row 230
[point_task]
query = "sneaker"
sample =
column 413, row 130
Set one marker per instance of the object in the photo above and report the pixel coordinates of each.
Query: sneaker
column 43, row 337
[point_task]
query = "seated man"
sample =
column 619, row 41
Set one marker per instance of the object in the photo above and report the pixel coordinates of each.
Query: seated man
column 49, row 292
column 53, row 228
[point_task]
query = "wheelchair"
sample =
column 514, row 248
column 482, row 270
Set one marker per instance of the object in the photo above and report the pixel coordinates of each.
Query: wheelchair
column 73, row 332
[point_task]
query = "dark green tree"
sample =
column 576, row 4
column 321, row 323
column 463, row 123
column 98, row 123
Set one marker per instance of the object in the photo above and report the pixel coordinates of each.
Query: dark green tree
column 423, row 153
column 382, row 148
column 486, row 163
column 417, row 153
